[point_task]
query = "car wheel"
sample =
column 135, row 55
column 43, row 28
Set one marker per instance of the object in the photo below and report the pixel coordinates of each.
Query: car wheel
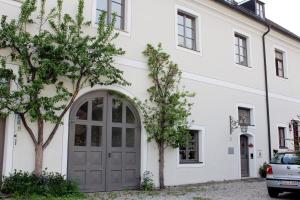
column 273, row 192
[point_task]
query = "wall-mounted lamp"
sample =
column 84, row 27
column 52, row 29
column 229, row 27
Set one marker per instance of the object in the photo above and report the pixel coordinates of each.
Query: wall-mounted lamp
column 234, row 124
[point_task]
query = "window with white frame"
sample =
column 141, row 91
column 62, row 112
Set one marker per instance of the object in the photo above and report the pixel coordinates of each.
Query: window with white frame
column 191, row 152
column 279, row 63
column 282, row 137
column 186, row 30
column 241, row 50
column 112, row 8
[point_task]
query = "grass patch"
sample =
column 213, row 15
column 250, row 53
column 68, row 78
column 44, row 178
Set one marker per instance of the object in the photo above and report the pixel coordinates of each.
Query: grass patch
column 200, row 198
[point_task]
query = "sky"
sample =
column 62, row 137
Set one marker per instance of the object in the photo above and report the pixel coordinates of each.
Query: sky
column 285, row 13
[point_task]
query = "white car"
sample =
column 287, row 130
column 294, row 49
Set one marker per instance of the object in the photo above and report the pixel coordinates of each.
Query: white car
column 283, row 173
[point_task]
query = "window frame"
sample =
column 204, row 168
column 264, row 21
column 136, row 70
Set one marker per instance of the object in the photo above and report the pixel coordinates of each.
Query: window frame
column 185, row 27
column 195, row 149
column 110, row 13
column 238, row 36
column 127, row 11
column 197, row 31
column 283, row 62
column 201, row 147
column 282, row 137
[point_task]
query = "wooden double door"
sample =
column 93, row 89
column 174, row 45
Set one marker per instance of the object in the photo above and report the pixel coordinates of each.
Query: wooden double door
column 104, row 143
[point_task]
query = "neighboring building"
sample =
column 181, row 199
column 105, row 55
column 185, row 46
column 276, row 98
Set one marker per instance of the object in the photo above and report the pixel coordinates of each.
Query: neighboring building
column 218, row 45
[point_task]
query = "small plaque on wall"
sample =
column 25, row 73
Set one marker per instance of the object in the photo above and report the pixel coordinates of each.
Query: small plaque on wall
column 230, row 150
column 259, row 153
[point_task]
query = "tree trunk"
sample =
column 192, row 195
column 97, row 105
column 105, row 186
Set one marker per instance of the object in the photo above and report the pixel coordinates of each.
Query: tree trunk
column 38, row 160
column 161, row 165
column 39, row 150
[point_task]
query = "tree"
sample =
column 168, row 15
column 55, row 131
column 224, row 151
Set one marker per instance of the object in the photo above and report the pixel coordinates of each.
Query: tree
column 55, row 55
column 167, row 109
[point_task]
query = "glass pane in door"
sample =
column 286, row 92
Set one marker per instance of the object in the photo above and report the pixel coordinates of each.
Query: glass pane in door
column 117, row 110
column 116, row 137
column 96, row 136
column 97, row 109
column 80, row 135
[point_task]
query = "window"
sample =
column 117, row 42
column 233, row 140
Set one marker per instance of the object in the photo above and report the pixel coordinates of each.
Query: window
column 279, row 64
column 189, row 153
column 111, row 7
column 186, row 30
column 244, row 116
column 260, row 9
column 281, row 132
column 240, row 49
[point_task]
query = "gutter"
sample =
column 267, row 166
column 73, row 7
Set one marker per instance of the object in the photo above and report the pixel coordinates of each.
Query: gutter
column 267, row 90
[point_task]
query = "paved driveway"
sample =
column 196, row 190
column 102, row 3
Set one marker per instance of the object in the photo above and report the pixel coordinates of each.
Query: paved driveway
column 238, row 190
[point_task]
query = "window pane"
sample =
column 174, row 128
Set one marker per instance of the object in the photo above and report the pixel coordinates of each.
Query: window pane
column 82, row 113
column 97, row 109
column 116, row 8
column 236, row 41
column 117, row 110
column 119, row 23
column 192, row 155
column 130, row 137
column 180, row 19
column 236, row 49
column 241, row 51
column 180, row 41
column 180, row 30
column 189, row 152
column 237, row 58
column 188, row 22
column 189, row 33
column 129, row 116
column 189, row 43
column 182, row 156
column 80, row 135
column 279, row 55
column 102, row 5
column 96, row 136
column 116, row 137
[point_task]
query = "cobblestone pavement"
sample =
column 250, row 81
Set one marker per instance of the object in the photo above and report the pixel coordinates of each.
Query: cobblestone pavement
column 236, row 190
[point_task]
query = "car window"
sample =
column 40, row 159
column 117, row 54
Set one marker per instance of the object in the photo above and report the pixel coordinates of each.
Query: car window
column 288, row 159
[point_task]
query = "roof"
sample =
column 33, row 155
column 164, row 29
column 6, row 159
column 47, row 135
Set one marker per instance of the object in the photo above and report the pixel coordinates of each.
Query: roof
column 264, row 21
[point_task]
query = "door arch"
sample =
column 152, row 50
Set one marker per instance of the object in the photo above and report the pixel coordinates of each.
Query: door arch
column 104, row 143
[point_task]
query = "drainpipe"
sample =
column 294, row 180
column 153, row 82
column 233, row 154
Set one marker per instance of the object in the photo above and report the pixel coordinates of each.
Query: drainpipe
column 267, row 91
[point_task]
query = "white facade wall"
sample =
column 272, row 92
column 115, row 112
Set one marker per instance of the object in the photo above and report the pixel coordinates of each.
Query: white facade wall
column 221, row 86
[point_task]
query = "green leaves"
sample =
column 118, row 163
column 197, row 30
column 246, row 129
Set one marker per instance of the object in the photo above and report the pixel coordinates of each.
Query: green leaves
column 167, row 109
column 51, row 59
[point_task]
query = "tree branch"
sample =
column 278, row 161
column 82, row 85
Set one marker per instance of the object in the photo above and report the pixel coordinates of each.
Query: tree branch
column 63, row 114
column 29, row 130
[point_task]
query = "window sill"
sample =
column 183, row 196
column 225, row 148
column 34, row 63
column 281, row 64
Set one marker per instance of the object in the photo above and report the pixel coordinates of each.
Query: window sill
column 284, row 148
column 283, row 78
column 191, row 165
column 195, row 52
column 121, row 32
column 247, row 67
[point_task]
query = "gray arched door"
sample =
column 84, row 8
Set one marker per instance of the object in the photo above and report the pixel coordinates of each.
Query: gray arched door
column 104, row 143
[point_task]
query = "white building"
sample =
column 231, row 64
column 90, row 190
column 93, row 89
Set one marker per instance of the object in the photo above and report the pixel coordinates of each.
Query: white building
column 218, row 45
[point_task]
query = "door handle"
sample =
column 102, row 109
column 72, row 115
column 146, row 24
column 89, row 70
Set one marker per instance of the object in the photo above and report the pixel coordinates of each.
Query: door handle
column 109, row 155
